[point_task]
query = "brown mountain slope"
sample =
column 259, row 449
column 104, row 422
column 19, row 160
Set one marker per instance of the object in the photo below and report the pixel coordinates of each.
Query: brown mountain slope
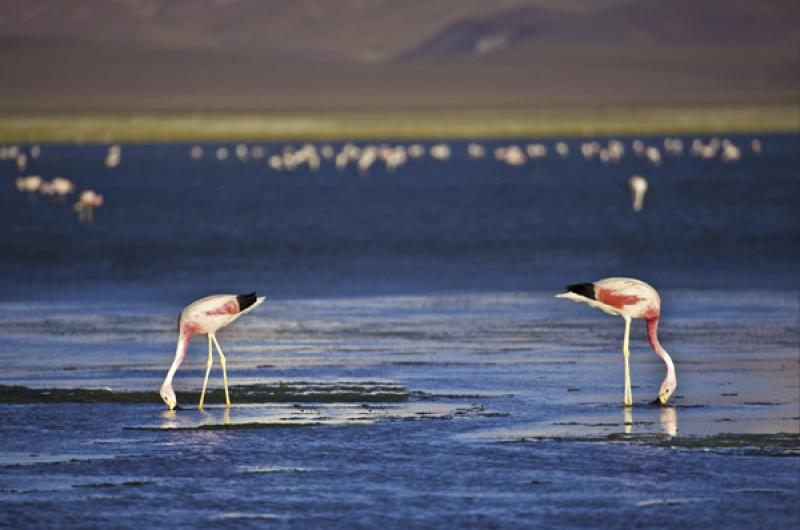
column 256, row 54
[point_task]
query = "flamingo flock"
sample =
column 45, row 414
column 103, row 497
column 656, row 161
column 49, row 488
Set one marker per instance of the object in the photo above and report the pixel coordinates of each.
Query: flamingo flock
column 58, row 188
column 365, row 158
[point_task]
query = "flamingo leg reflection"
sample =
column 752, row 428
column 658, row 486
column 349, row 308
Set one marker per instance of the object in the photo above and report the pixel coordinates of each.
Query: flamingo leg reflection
column 628, row 420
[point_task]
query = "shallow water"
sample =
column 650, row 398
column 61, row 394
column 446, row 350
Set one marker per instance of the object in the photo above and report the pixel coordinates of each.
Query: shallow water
column 479, row 409
column 402, row 382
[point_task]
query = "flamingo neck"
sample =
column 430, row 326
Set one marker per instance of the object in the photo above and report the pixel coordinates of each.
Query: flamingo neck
column 180, row 354
column 652, row 336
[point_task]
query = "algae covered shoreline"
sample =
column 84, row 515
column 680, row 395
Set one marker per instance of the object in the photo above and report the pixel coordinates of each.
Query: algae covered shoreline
column 296, row 391
column 54, row 125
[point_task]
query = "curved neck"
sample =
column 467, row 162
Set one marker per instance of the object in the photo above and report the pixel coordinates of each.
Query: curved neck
column 652, row 336
column 180, row 353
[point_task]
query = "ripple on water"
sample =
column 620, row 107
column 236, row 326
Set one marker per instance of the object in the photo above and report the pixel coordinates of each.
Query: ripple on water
column 108, row 485
column 228, row 516
column 272, row 469
column 288, row 416
column 20, row 459
column 672, row 501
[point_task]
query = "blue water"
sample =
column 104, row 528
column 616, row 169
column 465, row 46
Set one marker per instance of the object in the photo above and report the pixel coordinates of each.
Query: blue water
column 427, row 376
column 192, row 226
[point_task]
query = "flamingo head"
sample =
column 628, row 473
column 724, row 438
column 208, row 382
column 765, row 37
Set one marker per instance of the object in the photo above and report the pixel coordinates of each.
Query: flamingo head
column 168, row 395
column 667, row 389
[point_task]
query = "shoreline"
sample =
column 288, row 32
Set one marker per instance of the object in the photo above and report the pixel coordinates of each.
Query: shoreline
column 87, row 126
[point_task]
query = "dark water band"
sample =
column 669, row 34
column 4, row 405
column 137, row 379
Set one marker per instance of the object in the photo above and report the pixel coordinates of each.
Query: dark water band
column 304, row 392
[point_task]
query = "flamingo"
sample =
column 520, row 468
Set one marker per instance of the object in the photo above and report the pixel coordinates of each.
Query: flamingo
column 207, row 315
column 476, row 150
column 416, row 150
column 629, row 298
column 327, row 151
column 113, row 156
column 536, row 151
column 638, row 186
column 440, row 151
column 87, row 202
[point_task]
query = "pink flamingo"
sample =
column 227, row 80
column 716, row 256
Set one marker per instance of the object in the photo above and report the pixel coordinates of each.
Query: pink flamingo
column 207, row 315
column 629, row 298
column 87, row 202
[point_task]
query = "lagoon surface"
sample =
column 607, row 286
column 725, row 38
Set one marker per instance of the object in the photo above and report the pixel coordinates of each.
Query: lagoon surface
column 410, row 366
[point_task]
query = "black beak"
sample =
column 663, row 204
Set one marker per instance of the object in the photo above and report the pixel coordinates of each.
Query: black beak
column 657, row 402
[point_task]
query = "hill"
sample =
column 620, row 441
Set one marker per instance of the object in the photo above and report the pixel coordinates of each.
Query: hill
column 273, row 55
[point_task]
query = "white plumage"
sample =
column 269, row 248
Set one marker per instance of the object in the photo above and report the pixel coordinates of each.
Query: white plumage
column 629, row 298
column 206, row 316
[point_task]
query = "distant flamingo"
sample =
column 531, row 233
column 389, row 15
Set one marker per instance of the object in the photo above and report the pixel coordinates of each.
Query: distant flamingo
column 475, row 150
column 629, row 298
column 416, row 150
column 730, row 153
column 87, row 202
column 536, row 151
column 638, row 185
column 62, row 187
column 113, row 156
column 440, row 151
column 207, row 315
column 30, row 184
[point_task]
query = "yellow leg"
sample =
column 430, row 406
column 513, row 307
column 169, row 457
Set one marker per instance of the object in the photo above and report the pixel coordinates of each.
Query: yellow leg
column 627, row 353
column 224, row 370
column 208, row 371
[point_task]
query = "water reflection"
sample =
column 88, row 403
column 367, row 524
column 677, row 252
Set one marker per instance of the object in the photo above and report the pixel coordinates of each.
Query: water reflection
column 669, row 421
column 169, row 419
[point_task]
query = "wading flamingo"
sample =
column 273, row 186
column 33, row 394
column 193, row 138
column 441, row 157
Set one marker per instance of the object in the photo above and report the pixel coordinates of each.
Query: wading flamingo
column 87, row 202
column 638, row 185
column 629, row 298
column 207, row 315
